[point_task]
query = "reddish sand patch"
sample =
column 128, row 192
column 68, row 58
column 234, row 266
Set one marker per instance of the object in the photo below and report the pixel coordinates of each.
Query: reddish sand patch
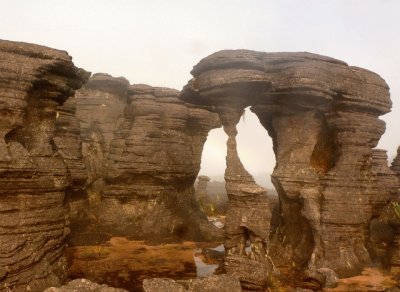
column 371, row 279
column 123, row 263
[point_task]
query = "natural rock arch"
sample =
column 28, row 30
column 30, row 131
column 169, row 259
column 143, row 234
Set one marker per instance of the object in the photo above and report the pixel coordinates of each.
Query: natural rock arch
column 323, row 117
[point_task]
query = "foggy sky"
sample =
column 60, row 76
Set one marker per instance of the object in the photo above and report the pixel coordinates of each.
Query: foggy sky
column 158, row 43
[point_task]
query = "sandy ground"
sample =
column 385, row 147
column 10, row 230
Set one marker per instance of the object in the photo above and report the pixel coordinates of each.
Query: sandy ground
column 123, row 263
column 371, row 279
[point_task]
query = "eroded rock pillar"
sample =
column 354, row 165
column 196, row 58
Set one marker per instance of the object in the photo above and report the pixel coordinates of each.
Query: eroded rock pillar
column 201, row 188
column 248, row 217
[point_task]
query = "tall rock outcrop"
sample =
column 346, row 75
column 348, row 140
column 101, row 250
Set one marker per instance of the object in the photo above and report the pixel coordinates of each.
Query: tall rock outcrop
column 323, row 118
column 396, row 164
column 393, row 213
column 201, row 187
column 100, row 105
column 383, row 228
column 34, row 81
column 142, row 150
column 248, row 217
column 153, row 161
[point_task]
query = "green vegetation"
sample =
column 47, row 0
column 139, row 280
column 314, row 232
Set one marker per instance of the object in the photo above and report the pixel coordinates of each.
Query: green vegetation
column 212, row 208
column 396, row 209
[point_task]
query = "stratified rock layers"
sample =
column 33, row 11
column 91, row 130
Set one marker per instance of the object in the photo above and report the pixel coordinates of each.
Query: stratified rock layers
column 34, row 80
column 323, row 118
column 153, row 162
column 142, row 151
column 68, row 143
column 396, row 164
column 99, row 110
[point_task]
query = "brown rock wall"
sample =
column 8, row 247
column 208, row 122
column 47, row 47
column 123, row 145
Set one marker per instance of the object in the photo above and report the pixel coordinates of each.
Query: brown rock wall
column 153, row 161
column 34, row 80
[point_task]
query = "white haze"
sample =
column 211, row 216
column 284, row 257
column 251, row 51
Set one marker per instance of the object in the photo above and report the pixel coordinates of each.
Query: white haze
column 158, row 42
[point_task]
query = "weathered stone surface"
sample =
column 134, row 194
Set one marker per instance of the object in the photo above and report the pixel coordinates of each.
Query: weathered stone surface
column 391, row 215
column 100, row 105
column 382, row 228
column 201, row 187
column 253, row 274
column 396, row 164
column 162, row 285
column 331, row 279
column 34, row 80
column 248, row 217
column 323, row 118
column 84, row 285
column 388, row 187
column 68, row 144
column 153, row 162
column 214, row 283
column 142, row 149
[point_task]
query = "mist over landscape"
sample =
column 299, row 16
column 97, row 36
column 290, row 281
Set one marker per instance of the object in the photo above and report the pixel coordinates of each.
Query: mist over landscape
column 138, row 140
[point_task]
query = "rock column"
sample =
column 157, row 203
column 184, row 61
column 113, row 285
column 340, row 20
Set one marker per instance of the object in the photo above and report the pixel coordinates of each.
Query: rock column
column 248, row 217
column 201, row 188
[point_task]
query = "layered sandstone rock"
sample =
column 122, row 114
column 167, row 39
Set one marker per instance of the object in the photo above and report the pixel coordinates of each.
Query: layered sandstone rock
column 382, row 228
column 393, row 215
column 141, row 148
column 214, row 283
column 153, row 162
column 396, row 164
column 388, row 187
column 84, row 285
column 100, row 105
column 323, row 118
column 201, row 187
column 248, row 217
column 69, row 145
column 34, row 81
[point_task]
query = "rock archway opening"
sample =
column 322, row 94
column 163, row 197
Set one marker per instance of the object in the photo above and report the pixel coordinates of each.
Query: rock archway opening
column 255, row 150
column 210, row 185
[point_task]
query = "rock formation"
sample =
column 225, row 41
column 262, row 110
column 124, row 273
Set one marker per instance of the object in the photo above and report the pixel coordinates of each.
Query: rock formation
column 387, row 184
column 99, row 109
column 396, row 164
column 393, row 215
column 153, row 162
column 84, row 285
column 142, row 149
column 381, row 245
column 248, row 217
column 68, row 143
column 201, row 187
column 34, row 81
column 214, row 283
column 100, row 105
column 323, row 117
